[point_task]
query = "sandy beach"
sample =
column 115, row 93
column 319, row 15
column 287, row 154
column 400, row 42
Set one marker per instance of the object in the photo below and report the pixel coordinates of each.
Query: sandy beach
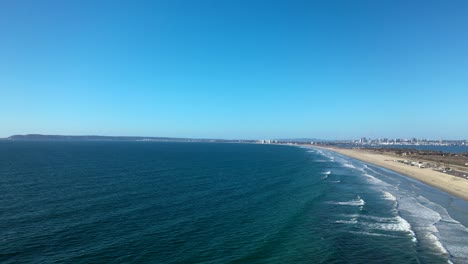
column 451, row 184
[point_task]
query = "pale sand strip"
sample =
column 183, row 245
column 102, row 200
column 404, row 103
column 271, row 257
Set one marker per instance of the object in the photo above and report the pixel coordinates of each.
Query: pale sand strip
column 451, row 184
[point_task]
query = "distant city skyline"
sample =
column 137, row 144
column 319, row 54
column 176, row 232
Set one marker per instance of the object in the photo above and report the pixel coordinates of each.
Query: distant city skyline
column 235, row 69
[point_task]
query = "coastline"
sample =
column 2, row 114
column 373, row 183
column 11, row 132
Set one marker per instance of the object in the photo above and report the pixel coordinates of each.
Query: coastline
column 455, row 186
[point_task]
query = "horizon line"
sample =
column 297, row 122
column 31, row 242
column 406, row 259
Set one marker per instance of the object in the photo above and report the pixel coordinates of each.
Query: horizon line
column 206, row 138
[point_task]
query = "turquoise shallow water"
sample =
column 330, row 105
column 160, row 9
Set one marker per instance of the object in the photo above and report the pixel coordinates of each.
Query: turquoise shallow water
column 147, row 202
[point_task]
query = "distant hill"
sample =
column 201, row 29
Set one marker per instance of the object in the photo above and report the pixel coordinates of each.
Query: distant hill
column 39, row 137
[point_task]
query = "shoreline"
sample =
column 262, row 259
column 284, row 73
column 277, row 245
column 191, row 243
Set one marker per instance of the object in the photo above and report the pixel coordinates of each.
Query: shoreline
column 455, row 186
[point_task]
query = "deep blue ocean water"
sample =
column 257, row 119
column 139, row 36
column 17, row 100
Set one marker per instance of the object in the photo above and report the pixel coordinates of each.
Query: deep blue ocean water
column 148, row 202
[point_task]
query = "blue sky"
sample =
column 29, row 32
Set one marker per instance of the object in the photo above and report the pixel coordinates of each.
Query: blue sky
column 235, row 69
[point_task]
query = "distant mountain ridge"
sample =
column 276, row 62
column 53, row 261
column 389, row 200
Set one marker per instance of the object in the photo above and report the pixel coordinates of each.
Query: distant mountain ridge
column 40, row 137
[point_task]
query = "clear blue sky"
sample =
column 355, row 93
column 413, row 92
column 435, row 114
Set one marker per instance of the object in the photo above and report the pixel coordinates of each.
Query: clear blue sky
column 235, row 69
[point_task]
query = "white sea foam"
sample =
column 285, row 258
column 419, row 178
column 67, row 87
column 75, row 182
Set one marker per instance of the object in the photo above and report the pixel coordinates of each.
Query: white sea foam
column 388, row 196
column 370, row 217
column 347, row 165
column 425, row 216
column 351, row 222
column 326, row 174
column 356, row 202
column 389, row 224
column 407, row 227
column 399, row 225
column 373, row 180
column 424, row 220
column 428, row 223
column 436, row 243
column 372, row 234
column 437, row 228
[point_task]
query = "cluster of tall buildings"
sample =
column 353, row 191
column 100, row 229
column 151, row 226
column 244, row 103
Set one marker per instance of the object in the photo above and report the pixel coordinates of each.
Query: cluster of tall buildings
column 411, row 141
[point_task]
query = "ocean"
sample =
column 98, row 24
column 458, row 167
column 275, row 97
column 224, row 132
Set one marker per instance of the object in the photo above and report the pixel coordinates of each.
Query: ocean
column 151, row 202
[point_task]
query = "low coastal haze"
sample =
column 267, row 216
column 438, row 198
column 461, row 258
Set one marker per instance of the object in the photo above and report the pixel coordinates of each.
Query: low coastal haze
column 235, row 69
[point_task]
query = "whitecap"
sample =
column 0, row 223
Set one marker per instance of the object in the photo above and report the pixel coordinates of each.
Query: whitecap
column 372, row 234
column 347, row 165
column 399, row 225
column 437, row 244
column 389, row 224
column 388, row 196
column 355, row 202
column 352, row 221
